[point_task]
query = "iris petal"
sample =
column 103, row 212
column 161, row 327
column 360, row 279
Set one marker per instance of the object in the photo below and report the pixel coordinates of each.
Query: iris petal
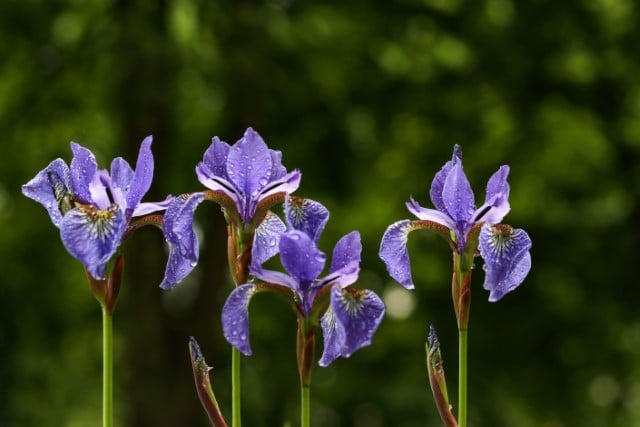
column 92, row 236
column 249, row 163
column 437, row 185
column 301, row 258
column 83, row 168
column 350, row 323
column 216, row 157
column 306, row 215
column 183, row 242
column 50, row 187
column 506, row 258
column 121, row 174
column 142, row 176
column 393, row 251
column 346, row 251
column 426, row 214
column 457, row 195
column 235, row 318
column 267, row 239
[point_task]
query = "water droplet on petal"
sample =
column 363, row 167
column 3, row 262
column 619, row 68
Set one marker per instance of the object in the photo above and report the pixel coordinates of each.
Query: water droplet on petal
column 243, row 337
column 295, row 237
column 263, row 181
column 193, row 263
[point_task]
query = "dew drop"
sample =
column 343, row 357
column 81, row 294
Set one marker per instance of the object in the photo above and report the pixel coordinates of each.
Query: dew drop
column 243, row 337
column 295, row 236
column 272, row 242
column 234, row 333
column 193, row 263
column 263, row 181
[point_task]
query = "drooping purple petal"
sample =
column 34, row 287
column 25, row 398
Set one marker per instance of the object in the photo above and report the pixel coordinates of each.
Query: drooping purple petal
column 249, row 163
column 301, row 258
column 145, row 208
column 346, row 251
column 306, row 215
column 506, row 258
column 351, row 322
column 432, row 215
column 83, row 168
column 142, row 176
column 457, row 195
column 183, row 242
column 49, row 187
column 92, row 236
column 267, row 239
column 216, row 158
column 394, row 254
column 235, row 318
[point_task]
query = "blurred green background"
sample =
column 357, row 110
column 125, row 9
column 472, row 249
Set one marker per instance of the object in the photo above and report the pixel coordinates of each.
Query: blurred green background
column 367, row 99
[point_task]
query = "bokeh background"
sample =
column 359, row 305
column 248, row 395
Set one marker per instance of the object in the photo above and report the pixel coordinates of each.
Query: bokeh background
column 367, row 99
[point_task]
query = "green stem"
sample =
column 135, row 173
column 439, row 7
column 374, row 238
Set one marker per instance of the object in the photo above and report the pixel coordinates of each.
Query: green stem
column 462, row 378
column 107, row 368
column 305, row 406
column 235, row 387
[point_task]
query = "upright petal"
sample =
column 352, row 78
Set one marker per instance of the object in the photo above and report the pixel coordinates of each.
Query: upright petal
column 350, row 323
column 265, row 198
column 394, row 254
column 235, row 318
column 121, row 174
column 83, row 168
column 457, row 195
column 142, row 177
column 249, row 163
column 301, row 258
column 496, row 204
column 267, row 239
column 277, row 170
column 306, row 215
column 50, row 188
column 506, row 258
column 92, row 236
column 437, row 185
column 216, row 157
column 346, row 251
column 498, row 184
column 183, row 242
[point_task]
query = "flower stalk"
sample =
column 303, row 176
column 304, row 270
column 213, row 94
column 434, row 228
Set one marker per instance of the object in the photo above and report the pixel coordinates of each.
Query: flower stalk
column 203, row 385
column 107, row 367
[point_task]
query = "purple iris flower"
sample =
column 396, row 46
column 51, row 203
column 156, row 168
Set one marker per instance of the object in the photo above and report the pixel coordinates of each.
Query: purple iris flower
column 93, row 207
column 246, row 178
column 504, row 250
column 352, row 316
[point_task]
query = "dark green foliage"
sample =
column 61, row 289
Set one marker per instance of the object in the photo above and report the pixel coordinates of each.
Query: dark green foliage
column 367, row 100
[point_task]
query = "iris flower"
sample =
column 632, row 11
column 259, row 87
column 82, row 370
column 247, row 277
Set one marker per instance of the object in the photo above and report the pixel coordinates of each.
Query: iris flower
column 505, row 250
column 349, row 317
column 246, row 179
column 93, row 207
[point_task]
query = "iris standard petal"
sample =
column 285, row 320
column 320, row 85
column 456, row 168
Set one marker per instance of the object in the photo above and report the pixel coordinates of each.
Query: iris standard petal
column 277, row 169
column 497, row 184
column 394, row 254
column 287, row 184
column 358, row 313
column 50, row 188
column 100, row 190
column 83, row 168
column 346, row 251
column 457, row 195
column 177, row 226
column 267, row 238
column 216, row 157
column 437, row 185
column 142, row 176
column 306, row 215
column 235, row 318
column 92, row 236
column 506, row 258
column 249, row 163
column 121, row 174
column 301, row 258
